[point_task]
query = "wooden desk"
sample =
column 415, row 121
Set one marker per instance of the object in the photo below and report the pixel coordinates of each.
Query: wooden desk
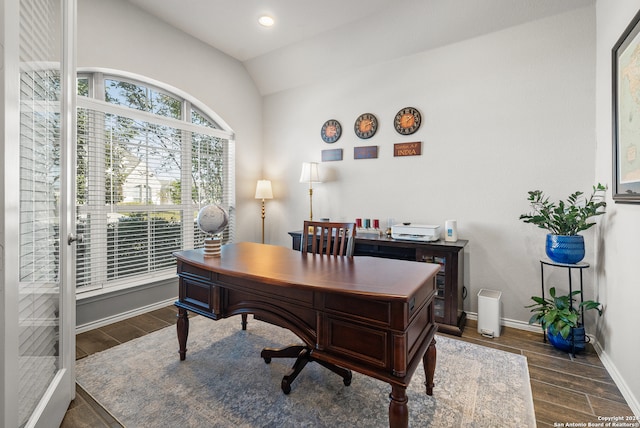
column 374, row 316
column 451, row 292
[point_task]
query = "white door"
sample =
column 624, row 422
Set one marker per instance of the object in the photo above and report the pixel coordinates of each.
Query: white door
column 39, row 196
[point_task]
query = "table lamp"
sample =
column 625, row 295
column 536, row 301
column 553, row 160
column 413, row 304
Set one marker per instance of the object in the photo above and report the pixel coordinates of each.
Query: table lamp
column 310, row 175
column 263, row 191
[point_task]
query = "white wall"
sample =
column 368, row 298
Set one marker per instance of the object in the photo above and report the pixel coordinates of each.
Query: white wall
column 618, row 280
column 115, row 34
column 503, row 113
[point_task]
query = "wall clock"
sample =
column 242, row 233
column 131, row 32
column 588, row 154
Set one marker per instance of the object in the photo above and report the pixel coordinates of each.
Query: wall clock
column 331, row 131
column 407, row 121
column 366, row 125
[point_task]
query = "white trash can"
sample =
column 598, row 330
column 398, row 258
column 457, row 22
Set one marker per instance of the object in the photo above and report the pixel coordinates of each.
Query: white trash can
column 489, row 312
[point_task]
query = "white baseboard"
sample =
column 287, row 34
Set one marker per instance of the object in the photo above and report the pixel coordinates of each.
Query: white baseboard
column 520, row 325
column 632, row 400
column 124, row 315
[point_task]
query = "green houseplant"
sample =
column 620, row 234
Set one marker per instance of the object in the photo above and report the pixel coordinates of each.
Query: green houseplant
column 560, row 319
column 558, row 313
column 564, row 220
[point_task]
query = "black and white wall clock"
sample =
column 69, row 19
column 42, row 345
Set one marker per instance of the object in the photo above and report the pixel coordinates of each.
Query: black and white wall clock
column 366, row 126
column 331, row 131
column 407, row 121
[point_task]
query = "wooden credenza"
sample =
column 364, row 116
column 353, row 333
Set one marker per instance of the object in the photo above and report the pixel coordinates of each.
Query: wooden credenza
column 448, row 303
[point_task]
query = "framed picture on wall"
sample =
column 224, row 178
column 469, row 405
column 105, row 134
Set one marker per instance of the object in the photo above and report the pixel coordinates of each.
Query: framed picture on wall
column 626, row 114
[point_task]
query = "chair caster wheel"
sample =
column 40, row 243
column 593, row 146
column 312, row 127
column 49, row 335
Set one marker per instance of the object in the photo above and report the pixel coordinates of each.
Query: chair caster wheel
column 286, row 388
column 267, row 360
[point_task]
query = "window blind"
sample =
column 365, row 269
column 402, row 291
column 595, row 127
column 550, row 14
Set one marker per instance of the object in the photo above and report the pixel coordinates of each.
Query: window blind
column 142, row 179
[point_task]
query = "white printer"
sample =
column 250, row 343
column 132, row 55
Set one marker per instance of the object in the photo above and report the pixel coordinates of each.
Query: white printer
column 415, row 232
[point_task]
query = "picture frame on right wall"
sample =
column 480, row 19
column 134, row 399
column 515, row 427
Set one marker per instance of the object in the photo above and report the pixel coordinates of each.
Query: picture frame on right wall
column 626, row 114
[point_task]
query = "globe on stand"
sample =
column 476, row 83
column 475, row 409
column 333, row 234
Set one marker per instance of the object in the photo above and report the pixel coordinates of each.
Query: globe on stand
column 212, row 219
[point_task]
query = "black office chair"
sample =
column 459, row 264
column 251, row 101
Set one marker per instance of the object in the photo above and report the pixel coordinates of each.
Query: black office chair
column 330, row 239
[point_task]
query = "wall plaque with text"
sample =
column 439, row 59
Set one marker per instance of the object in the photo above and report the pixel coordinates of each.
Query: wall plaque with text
column 331, row 155
column 365, row 152
column 407, row 149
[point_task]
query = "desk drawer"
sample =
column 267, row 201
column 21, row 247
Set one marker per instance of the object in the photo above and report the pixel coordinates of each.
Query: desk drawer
column 385, row 251
column 356, row 342
column 199, row 295
column 185, row 269
column 419, row 327
column 366, row 310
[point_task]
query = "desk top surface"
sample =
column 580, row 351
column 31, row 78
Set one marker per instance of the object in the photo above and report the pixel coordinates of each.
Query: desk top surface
column 366, row 276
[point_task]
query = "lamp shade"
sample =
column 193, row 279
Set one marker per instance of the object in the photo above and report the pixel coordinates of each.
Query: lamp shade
column 310, row 173
column 263, row 190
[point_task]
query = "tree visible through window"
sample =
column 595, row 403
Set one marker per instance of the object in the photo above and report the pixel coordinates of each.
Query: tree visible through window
column 148, row 160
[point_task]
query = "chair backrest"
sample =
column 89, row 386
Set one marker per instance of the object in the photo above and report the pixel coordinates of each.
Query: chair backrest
column 329, row 238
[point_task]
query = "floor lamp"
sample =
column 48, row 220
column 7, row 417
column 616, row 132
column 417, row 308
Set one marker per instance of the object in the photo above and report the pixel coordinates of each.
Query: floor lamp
column 310, row 175
column 263, row 191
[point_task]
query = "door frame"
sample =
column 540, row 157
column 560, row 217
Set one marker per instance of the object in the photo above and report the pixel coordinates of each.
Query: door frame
column 9, row 200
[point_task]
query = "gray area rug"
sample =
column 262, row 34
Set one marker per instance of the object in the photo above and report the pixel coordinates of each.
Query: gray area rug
column 224, row 383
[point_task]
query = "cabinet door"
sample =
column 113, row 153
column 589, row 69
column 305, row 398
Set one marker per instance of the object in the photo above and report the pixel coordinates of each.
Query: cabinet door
column 442, row 300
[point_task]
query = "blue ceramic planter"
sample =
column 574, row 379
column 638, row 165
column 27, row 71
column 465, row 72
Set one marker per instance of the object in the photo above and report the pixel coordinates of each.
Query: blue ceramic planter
column 575, row 342
column 567, row 249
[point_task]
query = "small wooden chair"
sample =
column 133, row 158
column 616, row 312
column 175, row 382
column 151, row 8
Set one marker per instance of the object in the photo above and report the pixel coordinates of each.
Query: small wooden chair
column 329, row 238
column 326, row 239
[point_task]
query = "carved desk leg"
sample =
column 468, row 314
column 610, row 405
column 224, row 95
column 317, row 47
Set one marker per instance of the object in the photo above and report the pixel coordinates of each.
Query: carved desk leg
column 183, row 331
column 429, row 363
column 398, row 410
column 244, row 321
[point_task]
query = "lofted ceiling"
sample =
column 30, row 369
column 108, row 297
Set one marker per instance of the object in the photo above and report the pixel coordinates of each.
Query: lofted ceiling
column 313, row 39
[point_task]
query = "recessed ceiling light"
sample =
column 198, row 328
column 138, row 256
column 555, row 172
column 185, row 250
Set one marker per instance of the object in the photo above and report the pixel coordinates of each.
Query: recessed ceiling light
column 266, row 21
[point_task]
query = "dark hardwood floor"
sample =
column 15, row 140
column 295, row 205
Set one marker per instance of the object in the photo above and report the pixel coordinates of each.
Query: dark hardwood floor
column 565, row 389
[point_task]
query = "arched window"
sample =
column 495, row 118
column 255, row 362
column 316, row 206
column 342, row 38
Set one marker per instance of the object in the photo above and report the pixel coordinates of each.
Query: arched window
column 148, row 158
